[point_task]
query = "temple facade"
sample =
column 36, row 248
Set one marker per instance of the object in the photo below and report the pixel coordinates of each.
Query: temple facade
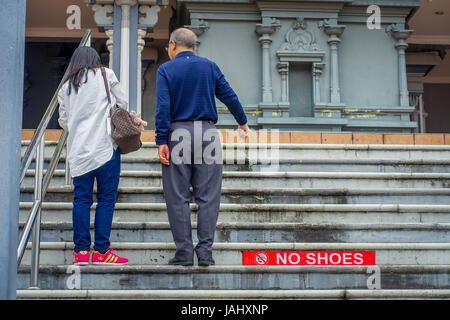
column 296, row 65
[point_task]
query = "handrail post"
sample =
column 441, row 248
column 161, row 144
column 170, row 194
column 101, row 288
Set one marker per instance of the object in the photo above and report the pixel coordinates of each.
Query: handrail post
column 67, row 171
column 36, row 241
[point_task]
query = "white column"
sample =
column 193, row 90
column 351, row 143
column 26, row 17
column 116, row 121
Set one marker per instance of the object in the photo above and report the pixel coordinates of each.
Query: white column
column 125, row 50
column 141, row 44
column 124, row 44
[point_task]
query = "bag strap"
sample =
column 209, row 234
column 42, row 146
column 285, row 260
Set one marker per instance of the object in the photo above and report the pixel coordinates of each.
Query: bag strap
column 106, row 84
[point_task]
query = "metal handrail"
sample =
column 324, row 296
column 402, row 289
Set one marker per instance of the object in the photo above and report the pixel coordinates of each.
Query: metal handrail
column 36, row 147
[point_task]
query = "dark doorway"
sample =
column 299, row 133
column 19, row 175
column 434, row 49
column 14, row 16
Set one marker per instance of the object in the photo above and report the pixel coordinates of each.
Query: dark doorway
column 437, row 106
column 45, row 64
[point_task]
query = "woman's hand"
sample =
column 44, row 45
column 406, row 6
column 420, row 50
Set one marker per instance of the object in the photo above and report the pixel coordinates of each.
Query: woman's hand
column 137, row 120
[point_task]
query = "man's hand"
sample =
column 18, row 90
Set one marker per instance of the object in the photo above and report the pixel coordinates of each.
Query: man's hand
column 243, row 131
column 164, row 154
column 244, row 127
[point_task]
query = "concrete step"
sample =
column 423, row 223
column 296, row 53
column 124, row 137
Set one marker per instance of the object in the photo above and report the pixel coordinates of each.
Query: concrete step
column 299, row 164
column 230, row 253
column 309, row 151
column 238, row 179
column 160, row 277
column 274, row 195
column 267, row 232
column 262, row 213
column 337, row 294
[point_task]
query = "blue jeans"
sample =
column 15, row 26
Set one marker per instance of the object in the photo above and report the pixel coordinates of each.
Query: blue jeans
column 107, row 176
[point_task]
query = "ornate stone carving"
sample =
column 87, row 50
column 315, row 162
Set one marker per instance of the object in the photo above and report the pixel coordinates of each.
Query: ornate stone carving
column 398, row 32
column 298, row 38
column 198, row 26
column 269, row 26
column 150, row 17
column 331, row 29
column 103, row 14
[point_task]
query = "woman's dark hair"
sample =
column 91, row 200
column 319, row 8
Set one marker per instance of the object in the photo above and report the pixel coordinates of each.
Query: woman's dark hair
column 83, row 60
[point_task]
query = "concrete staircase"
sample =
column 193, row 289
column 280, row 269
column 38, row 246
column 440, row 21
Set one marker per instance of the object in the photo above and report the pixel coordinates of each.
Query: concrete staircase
column 391, row 199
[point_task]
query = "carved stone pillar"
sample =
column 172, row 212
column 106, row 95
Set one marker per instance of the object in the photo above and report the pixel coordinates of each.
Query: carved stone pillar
column 104, row 18
column 265, row 29
column 110, row 45
column 334, row 31
column 283, row 70
column 400, row 34
column 317, row 72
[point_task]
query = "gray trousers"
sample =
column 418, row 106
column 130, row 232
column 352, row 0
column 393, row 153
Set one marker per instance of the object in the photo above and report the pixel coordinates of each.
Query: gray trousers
column 195, row 160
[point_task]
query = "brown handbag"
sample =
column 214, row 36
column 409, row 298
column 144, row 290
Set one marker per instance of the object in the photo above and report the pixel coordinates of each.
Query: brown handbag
column 125, row 133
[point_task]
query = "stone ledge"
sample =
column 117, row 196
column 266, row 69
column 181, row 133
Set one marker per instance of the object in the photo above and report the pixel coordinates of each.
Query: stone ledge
column 243, row 246
column 299, row 137
column 238, row 268
column 236, row 294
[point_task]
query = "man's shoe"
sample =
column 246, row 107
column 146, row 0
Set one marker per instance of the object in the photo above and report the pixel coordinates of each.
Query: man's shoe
column 177, row 262
column 81, row 258
column 204, row 262
column 108, row 258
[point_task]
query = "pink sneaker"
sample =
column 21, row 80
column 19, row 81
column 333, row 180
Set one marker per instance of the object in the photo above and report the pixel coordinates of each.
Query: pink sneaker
column 81, row 258
column 108, row 258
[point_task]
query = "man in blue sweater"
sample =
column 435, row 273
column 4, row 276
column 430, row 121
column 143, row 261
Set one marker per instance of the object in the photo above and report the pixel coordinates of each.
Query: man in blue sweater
column 186, row 87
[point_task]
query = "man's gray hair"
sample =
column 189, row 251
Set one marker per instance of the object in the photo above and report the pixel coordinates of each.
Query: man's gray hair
column 184, row 37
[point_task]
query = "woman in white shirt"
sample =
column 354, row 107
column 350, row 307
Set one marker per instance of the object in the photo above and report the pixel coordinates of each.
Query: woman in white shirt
column 91, row 152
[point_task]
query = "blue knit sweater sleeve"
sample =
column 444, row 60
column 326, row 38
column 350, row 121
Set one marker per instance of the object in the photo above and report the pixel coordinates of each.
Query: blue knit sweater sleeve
column 162, row 118
column 227, row 96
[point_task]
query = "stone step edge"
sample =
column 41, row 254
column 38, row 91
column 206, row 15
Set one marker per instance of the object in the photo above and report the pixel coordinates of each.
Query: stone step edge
column 280, row 226
column 263, row 246
column 285, row 174
column 237, row 294
column 164, row 268
column 400, row 208
column 276, row 191
column 267, row 161
column 310, row 146
column 338, row 269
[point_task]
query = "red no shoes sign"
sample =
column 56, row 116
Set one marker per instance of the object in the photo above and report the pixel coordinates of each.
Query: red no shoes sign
column 322, row 258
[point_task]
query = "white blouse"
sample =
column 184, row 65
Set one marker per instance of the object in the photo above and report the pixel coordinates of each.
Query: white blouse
column 86, row 117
